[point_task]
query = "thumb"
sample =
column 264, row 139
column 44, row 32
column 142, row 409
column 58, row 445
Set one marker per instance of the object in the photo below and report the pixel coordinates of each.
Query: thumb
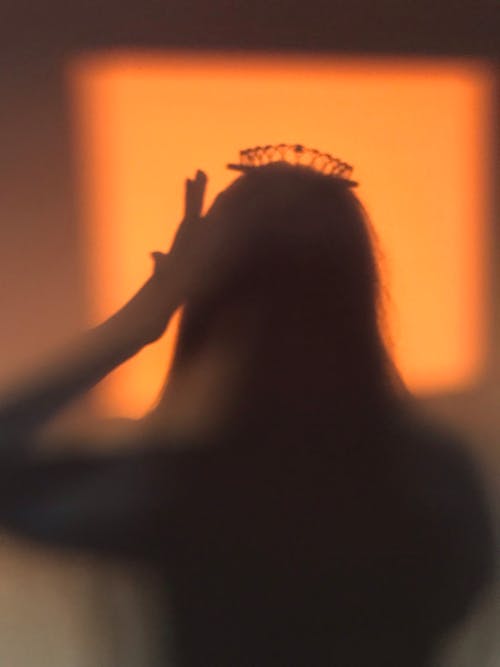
column 158, row 259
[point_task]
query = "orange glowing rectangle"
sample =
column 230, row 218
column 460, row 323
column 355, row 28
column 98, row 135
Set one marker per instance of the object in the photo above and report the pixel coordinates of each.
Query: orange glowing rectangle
column 415, row 129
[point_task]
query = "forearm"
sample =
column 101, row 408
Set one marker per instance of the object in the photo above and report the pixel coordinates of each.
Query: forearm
column 99, row 352
column 32, row 403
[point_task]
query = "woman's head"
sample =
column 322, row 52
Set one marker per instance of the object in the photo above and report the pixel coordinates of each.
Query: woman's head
column 297, row 292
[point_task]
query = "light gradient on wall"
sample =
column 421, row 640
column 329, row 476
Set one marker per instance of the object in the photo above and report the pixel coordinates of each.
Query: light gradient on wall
column 415, row 129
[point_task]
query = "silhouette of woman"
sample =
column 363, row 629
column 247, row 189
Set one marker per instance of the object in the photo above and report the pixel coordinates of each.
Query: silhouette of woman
column 302, row 511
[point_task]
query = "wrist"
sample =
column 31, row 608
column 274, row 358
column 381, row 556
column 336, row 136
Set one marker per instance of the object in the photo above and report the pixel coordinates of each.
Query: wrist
column 144, row 318
column 115, row 338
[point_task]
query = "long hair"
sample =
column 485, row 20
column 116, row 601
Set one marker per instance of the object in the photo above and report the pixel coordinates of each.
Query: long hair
column 304, row 283
column 302, row 293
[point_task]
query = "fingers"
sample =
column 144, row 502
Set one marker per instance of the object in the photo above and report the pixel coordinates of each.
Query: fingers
column 194, row 194
column 159, row 260
column 188, row 198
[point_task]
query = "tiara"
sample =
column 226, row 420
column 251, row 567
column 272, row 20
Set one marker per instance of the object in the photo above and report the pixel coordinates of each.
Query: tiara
column 296, row 154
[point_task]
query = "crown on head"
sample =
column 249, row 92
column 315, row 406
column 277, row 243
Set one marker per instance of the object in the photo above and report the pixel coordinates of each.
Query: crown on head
column 296, row 154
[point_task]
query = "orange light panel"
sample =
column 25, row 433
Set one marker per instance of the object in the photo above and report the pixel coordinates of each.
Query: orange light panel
column 416, row 131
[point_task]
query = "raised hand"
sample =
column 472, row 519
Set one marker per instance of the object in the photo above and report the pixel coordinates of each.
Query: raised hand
column 189, row 243
column 176, row 273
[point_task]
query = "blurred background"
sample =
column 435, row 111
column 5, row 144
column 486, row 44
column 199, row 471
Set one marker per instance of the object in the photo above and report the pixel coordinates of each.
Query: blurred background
column 105, row 109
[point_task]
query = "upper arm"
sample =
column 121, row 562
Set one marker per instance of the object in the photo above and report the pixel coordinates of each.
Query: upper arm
column 117, row 504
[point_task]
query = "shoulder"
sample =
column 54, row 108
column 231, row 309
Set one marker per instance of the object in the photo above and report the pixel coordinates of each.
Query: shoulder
column 435, row 459
column 443, row 481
